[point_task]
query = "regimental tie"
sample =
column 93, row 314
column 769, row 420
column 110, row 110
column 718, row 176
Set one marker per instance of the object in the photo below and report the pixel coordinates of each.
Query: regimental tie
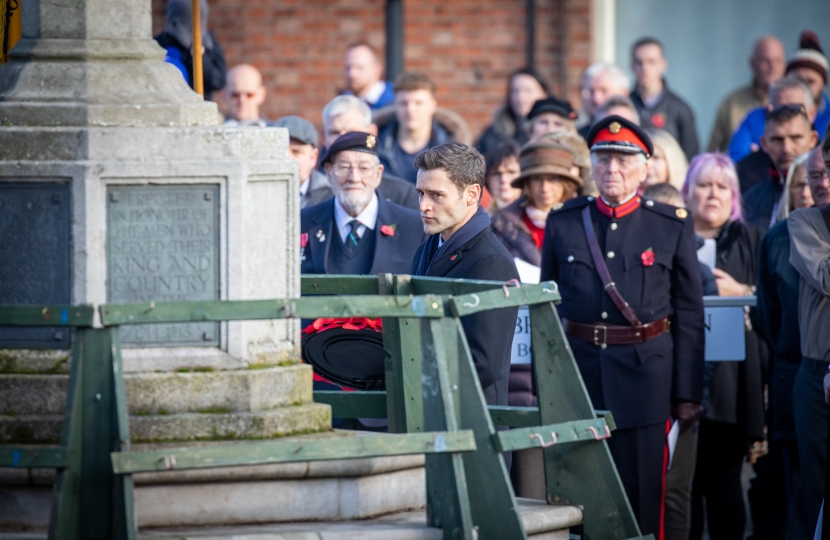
column 352, row 240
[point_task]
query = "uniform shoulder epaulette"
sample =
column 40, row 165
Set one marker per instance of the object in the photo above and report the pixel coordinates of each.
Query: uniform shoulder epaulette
column 578, row 202
column 667, row 210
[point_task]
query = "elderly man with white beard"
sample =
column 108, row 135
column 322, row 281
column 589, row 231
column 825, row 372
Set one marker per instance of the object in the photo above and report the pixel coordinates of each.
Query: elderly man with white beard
column 357, row 232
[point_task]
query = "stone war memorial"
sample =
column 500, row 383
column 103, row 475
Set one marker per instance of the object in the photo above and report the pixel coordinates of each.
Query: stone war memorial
column 151, row 382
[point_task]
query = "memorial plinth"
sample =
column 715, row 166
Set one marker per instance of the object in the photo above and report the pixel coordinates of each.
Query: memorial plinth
column 118, row 184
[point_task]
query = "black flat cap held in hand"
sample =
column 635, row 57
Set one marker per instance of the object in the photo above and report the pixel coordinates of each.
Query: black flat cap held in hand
column 356, row 141
column 616, row 134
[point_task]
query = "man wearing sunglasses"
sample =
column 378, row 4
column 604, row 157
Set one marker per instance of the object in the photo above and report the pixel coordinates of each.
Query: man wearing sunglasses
column 244, row 94
column 788, row 133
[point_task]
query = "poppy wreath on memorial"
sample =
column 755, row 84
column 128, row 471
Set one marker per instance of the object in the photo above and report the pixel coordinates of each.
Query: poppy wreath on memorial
column 346, row 352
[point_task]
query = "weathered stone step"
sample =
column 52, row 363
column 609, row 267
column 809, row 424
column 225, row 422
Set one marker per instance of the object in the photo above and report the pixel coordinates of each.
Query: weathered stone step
column 542, row 522
column 169, row 392
column 306, row 418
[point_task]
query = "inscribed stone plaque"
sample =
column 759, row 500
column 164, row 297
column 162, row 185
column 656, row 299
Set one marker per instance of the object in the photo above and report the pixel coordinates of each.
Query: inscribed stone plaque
column 34, row 257
column 163, row 246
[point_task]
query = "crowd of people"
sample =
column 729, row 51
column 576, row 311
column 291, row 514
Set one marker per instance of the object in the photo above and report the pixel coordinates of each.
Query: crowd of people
column 615, row 202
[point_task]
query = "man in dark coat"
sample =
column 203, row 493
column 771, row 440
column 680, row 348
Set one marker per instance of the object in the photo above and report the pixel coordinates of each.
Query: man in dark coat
column 658, row 107
column 788, row 133
column 461, row 245
column 632, row 308
column 357, row 232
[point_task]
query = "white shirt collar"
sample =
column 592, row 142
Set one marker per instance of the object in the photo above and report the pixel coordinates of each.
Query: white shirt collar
column 374, row 93
column 367, row 218
column 304, row 187
column 621, row 202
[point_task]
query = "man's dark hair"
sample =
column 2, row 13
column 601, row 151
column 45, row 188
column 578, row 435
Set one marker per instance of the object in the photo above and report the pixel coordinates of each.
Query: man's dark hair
column 642, row 42
column 495, row 157
column 409, row 81
column 664, row 193
column 784, row 113
column 464, row 164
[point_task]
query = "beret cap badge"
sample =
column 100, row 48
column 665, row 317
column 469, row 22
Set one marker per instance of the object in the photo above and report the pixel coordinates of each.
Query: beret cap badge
column 371, row 141
column 614, row 127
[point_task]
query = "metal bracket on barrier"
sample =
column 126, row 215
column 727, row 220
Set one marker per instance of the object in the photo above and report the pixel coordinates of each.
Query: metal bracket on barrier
column 542, row 442
column 508, row 282
column 597, row 436
column 470, row 304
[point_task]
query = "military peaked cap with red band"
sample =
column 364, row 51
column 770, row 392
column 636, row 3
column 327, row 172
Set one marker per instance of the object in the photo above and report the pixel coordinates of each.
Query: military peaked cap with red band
column 616, row 134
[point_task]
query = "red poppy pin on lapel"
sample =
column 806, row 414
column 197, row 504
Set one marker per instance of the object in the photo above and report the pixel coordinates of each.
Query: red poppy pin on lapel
column 452, row 258
column 388, row 230
column 658, row 120
column 647, row 257
column 303, row 244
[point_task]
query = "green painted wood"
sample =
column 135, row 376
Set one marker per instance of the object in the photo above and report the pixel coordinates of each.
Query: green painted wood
column 526, row 295
column 52, row 315
column 502, row 415
column 580, row 473
column 448, row 502
column 310, row 307
column 492, row 501
column 34, row 457
column 338, row 284
column 447, row 286
column 287, row 451
column 536, row 437
column 358, row 404
column 95, row 509
column 125, row 525
column 402, row 341
column 63, row 524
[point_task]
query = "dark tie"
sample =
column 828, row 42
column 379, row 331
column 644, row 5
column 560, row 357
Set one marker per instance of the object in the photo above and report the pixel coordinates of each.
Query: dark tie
column 352, row 240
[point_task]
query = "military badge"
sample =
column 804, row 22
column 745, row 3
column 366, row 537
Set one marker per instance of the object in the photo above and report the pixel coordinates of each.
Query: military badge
column 371, row 141
column 681, row 213
column 614, row 127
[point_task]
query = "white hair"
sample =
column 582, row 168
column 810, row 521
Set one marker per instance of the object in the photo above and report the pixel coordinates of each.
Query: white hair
column 344, row 104
column 791, row 81
column 619, row 76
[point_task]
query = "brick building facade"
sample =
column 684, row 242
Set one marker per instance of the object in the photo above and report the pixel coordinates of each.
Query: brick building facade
column 468, row 47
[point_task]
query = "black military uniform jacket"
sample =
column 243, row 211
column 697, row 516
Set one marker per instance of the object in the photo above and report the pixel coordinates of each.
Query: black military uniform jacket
column 393, row 253
column 637, row 383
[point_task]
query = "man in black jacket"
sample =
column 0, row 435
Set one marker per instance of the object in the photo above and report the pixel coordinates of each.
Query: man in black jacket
column 461, row 245
column 658, row 107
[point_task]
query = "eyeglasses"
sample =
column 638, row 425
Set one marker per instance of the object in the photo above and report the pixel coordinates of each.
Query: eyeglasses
column 344, row 170
column 623, row 161
column 789, row 107
column 817, row 177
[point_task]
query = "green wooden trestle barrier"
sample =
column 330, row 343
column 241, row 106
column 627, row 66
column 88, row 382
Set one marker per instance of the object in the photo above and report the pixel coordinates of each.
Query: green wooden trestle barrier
column 433, row 401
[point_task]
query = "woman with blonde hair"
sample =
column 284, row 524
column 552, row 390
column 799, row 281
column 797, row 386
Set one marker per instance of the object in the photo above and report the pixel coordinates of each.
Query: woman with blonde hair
column 797, row 192
column 668, row 163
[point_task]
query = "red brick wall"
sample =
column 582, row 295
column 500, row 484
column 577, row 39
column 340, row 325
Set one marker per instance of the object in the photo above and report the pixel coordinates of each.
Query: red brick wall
column 468, row 47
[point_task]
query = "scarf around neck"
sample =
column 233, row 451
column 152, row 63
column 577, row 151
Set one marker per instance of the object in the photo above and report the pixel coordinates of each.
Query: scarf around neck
column 431, row 253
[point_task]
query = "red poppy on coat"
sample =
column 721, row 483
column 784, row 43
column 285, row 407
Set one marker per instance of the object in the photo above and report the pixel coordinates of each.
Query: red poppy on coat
column 658, row 120
column 647, row 257
column 304, row 240
column 388, row 230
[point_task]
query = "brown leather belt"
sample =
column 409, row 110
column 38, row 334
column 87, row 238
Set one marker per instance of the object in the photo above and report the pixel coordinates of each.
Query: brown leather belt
column 603, row 335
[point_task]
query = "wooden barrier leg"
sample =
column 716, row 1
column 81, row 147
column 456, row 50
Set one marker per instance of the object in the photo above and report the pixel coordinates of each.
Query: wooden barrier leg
column 448, row 505
column 492, row 501
column 583, row 474
column 63, row 524
column 88, row 495
column 124, row 523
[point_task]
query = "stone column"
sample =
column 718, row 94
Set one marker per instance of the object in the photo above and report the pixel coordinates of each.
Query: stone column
column 91, row 112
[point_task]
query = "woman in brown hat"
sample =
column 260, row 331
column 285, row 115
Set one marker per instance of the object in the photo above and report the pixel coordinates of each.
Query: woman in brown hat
column 549, row 176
